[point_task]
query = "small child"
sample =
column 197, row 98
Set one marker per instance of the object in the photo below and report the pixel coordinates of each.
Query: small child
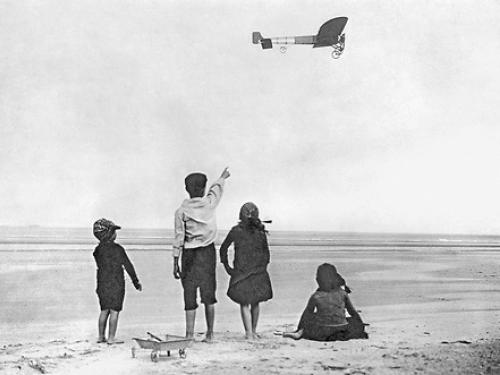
column 324, row 317
column 111, row 259
column 195, row 233
column 250, row 283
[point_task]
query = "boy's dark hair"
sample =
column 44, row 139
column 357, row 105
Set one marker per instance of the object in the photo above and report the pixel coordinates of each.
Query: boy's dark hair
column 195, row 184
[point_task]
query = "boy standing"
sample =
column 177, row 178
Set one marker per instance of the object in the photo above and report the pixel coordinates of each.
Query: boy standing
column 111, row 259
column 195, row 233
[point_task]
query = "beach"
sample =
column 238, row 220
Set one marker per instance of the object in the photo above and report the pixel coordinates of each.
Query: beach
column 366, row 133
column 432, row 303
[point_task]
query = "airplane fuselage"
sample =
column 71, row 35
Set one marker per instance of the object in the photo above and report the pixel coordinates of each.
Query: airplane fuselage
column 306, row 39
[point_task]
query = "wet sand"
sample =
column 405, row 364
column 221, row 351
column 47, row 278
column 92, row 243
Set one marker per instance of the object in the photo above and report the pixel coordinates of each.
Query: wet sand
column 431, row 311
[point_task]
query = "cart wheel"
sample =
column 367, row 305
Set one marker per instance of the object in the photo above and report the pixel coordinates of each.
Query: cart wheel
column 182, row 353
column 133, row 352
column 155, row 356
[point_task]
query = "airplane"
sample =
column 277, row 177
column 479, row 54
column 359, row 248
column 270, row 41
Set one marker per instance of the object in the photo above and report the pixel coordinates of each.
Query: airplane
column 330, row 34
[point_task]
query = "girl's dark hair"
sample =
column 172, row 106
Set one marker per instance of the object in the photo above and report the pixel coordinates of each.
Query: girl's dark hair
column 328, row 278
column 254, row 224
column 249, row 218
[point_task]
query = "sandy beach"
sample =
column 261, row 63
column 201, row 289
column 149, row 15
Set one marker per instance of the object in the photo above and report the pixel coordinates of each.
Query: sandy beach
column 365, row 132
column 430, row 310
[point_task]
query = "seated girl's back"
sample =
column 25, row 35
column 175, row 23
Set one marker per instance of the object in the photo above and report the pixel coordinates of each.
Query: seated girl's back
column 324, row 318
column 330, row 306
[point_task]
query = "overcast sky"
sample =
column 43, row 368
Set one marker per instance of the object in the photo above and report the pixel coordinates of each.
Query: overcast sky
column 105, row 106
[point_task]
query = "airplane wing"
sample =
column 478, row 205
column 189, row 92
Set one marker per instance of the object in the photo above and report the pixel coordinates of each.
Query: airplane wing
column 330, row 31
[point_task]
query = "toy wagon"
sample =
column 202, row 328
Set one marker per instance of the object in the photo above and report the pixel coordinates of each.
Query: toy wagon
column 157, row 345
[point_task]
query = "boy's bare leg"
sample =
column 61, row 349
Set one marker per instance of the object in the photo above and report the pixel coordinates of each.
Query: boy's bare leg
column 255, row 310
column 103, row 320
column 113, row 325
column 247, row 320
column 209, row 317
column 190, row 318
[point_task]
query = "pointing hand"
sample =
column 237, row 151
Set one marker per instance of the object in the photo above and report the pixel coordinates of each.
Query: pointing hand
column 225, row 173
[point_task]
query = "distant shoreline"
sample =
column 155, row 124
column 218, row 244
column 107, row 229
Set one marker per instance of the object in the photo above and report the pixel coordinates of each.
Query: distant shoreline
column 75, row 239
column 88, row 230
column 144, row 246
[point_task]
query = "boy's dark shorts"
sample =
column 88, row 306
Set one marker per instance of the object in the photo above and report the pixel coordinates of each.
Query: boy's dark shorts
column 198, row 271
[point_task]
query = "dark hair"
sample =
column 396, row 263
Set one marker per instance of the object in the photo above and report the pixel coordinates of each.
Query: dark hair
column 249, row 218
column 195, row 184
column 328, row 278
column 253, row 225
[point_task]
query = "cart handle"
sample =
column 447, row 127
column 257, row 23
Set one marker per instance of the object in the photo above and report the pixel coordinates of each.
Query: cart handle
column 155, row 337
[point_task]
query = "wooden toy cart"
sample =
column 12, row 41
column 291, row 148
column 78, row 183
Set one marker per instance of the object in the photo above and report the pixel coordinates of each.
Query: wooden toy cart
column 157, row 346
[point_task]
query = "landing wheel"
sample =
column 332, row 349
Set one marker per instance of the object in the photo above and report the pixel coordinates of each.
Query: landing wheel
column 283, row 49
column 337, row 50
column 336, row 54
column 182, row 353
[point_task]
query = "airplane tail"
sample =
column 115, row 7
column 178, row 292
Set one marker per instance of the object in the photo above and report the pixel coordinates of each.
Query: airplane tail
column 256, row 37
column 265, row 43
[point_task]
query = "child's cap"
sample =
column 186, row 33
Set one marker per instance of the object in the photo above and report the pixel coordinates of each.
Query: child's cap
column 103, row 228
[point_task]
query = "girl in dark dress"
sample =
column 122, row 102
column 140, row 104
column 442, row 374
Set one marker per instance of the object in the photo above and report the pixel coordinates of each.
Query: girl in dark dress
column 110, row 259
column 249, row 284
column 324, row 317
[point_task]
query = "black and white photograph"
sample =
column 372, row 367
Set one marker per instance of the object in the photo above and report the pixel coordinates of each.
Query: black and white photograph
column 249, row 187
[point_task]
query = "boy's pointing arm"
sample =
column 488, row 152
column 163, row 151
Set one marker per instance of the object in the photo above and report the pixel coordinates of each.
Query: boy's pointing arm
column 215, row 192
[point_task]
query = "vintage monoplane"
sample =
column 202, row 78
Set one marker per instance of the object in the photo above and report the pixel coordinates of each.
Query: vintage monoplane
column 330, row 34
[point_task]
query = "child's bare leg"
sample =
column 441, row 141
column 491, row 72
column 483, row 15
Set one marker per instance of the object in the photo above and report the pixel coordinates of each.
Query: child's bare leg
column 247, row 320
column 103, row 320
column 190, row 318
column 255, row 310
column 113, row 325
column 209, row 317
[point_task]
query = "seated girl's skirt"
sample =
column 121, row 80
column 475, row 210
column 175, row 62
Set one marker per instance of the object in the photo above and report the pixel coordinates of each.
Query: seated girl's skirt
column 251, row 289
column 313, row 330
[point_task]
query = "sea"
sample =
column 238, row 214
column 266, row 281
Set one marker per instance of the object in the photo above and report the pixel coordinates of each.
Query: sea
column 47, row 276
column 36, row 238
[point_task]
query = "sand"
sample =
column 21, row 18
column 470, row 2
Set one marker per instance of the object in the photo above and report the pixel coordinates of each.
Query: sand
column 431, row 311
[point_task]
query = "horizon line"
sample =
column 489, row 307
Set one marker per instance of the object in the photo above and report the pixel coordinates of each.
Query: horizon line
column 277, row 230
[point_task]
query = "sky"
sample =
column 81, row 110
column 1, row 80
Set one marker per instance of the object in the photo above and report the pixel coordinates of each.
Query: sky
column 105, row 106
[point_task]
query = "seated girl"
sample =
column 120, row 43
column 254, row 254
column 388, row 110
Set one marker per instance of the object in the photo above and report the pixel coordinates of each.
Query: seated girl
column 324, row 318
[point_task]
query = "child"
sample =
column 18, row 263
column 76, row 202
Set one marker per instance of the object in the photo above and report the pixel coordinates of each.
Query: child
column 195, row 233
column 324, row 317
column 111, row 259
column 249, row 284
